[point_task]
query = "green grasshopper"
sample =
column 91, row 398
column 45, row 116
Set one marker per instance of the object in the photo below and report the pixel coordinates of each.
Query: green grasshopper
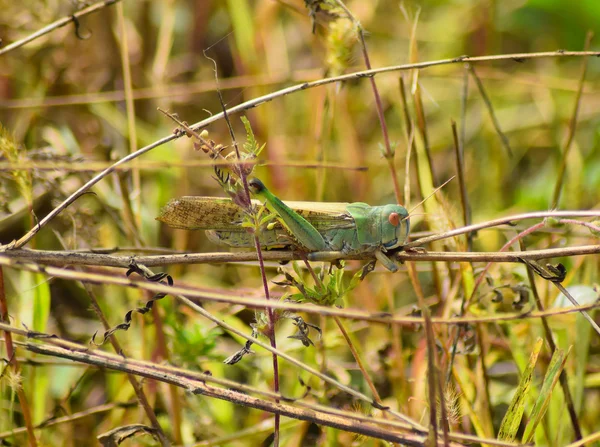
column 349, row 228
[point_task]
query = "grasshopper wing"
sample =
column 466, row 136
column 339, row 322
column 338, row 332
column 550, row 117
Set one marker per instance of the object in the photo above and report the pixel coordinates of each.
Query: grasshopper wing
column 220, row 214
column 202, row 213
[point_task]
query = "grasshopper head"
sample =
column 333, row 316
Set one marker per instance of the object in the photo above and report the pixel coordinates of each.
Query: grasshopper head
column 394, row 226
column 256, row 186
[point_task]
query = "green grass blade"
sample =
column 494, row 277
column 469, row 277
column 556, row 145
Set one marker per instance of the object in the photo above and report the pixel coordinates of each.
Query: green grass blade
column 557, row 363
column 512, row 419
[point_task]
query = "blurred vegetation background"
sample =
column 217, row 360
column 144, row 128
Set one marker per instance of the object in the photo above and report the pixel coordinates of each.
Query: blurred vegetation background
column 65, row 117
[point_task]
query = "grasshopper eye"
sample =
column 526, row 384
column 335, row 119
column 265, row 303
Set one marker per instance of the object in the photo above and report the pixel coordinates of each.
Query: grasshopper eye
column 394, row 219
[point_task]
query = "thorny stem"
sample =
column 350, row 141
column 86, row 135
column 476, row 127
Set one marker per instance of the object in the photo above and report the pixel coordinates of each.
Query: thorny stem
column 270, row 313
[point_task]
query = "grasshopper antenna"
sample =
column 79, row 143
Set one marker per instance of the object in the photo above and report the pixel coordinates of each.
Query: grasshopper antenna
column 410, row 213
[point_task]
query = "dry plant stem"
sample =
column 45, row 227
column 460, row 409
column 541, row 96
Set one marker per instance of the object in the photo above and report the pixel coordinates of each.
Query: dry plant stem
column 463, row 109
column 464, row 199
column 160, row 370
column 490, row 108
column 432, row 373
column 131, row 126
column 461, row 148
column 359, row 362
column 70, row 418
column 588, row 440
column 422, row 126
column 409, row 130
column 241, row 82
column 349, row 342
column 585, row 315
column 378, row 317
column 199, row 387
column 175, row 401
column 137, row 387
column 412, row 271
column 564, row 382
column 266, row 98
column 572, row 126
column 13, row 364
column 122, row 261
column 94, row 166
column 389, row 152
column 501, row 221
column 58, row 24
column 290, row 359
column 207, row 378
column 355, row 314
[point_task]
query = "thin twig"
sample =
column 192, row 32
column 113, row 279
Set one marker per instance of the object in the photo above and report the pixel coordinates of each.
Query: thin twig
column 572, row 126
column 501, row 221
column 137, row 388
column 121, row 261
column 490, row 108
column 464, row 198
column 128, row 213
column 432, row 372
column 389, row 152
column 199, row 387
column 196, row 383
column 94, row 165
column 58, row 24
column 293, row 361
column 377, row 317
column 71, row 417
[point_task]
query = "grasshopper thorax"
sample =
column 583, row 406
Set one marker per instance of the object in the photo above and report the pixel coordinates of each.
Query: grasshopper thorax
column 380, row 226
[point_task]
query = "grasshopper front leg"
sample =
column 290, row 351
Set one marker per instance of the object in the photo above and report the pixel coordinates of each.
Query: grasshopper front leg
column 298, row 227
column 386, row 261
